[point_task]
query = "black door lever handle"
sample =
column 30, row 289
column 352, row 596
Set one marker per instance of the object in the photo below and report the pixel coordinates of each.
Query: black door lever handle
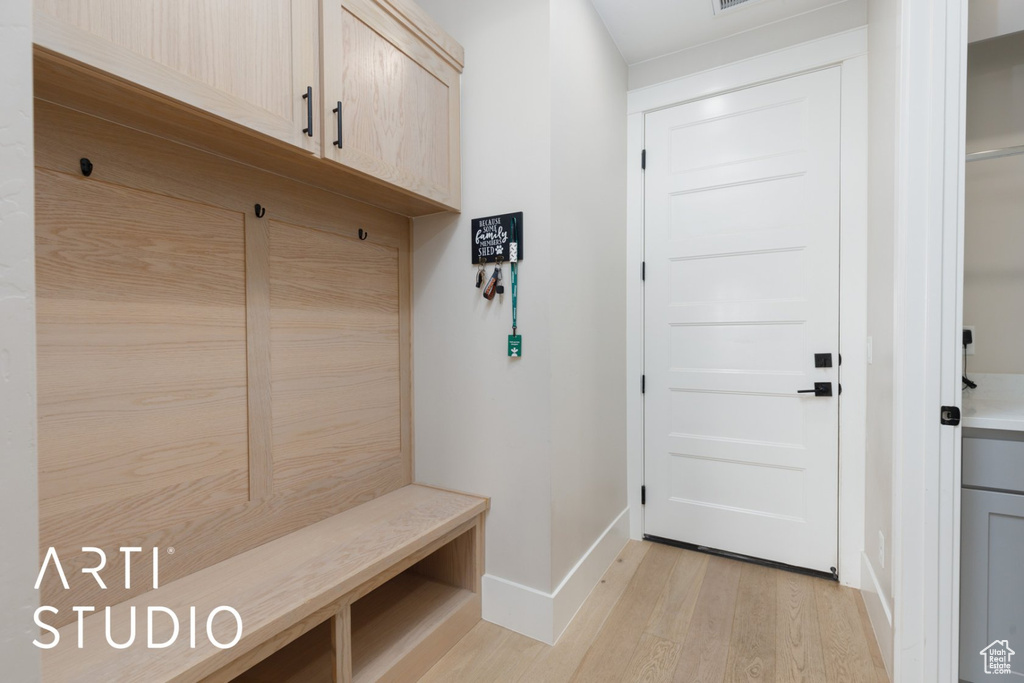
column 820, row 389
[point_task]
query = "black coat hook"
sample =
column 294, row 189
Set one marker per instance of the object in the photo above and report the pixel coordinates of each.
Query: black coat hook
column 363, row 234
column 261, row 211
column 86, row 166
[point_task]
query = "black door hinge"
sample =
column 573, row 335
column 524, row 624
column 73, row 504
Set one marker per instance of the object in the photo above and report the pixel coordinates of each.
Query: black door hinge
column 950, row 415
column 643, row 271
column 643, row 159
column 643, row 383
column 643, row 495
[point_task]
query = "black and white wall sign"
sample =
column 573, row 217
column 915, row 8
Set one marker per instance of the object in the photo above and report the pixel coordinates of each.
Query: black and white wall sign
column 492, row 235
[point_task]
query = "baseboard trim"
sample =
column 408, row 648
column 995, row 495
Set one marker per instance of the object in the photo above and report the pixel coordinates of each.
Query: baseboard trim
column 879, row 611
column 545, row 616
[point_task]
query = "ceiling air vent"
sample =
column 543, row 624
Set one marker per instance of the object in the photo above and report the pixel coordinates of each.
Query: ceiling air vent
column 719, row 6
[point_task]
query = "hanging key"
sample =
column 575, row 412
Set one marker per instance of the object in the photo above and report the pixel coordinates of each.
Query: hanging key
column 492, row 283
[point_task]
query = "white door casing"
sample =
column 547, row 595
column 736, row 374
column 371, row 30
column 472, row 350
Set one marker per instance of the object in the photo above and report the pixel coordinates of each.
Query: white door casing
column 742, row 289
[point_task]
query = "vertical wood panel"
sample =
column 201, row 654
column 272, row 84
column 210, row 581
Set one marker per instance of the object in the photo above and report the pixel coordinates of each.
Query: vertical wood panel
column 334, row 358
column 405, row 335
column 455, row 564
column 142, row 342
column 142, row 366
column 257, row 308
column 151, row 324
column 341, row 639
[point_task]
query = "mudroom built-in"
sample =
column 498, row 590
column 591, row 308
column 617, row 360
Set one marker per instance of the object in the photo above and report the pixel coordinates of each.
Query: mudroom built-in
column 570, row 341
column 222, row 261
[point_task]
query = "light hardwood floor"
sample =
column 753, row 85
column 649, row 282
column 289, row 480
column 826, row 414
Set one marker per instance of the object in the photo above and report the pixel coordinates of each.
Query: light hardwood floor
column 665, row 614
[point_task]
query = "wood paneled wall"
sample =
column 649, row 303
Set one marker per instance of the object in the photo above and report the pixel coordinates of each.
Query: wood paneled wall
column 208, row 380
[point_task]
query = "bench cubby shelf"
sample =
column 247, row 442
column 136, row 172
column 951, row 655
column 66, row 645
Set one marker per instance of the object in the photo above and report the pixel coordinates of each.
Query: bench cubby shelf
column 394, row 632
column 378, row 592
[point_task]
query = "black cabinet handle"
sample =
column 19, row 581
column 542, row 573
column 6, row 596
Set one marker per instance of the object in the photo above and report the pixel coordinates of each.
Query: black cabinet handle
column 337, row 110
column 308, row 130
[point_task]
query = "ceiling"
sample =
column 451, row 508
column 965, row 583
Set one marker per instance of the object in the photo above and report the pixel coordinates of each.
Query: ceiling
column 645, row 29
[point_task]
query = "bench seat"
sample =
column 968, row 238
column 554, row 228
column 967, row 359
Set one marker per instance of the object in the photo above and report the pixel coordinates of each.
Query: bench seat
column 420, row 546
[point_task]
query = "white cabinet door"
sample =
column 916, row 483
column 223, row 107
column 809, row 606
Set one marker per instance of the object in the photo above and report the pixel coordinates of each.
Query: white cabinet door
column 741, row 292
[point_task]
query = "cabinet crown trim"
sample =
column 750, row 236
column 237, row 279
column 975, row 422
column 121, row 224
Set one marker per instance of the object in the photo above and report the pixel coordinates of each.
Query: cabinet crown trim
column 414, row 18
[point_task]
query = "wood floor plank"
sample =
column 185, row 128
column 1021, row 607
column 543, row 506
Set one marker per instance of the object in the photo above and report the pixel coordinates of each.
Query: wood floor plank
column 844, row 647
column 557, row 664
column 740, row 617
column 881, row 675
column 653, row 660
column 752, row 646
column 608, row 656
column 798, row 656
column 487, row 653
column 671, row 617
column 705, row 650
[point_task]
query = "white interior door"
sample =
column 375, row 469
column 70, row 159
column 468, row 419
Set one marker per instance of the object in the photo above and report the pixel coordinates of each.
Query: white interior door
column 742, row 290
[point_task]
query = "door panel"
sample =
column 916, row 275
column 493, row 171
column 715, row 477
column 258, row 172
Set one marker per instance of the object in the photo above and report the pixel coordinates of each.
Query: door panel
column 742, row 289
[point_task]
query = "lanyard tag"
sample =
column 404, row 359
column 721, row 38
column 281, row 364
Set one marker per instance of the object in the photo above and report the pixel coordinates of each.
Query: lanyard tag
column 515, row 345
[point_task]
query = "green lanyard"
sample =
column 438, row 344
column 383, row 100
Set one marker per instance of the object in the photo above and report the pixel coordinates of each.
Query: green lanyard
column 515, row 342
column 514, row 248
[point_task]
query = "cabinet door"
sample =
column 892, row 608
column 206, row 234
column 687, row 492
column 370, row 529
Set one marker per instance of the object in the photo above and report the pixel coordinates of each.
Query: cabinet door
column 391, row 97
column 247, row 61
column 991, row 590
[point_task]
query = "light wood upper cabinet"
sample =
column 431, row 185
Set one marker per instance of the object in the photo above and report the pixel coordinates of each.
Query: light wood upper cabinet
column 391, row 96
column 247, row 61
column 388, row 69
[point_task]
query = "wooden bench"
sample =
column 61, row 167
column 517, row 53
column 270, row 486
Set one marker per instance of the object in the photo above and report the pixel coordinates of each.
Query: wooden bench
column 378, row 592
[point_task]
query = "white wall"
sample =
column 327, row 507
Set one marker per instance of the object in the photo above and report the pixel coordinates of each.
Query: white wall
column 828, row 20
column 588, row 295
column 993, row 238
column 19, row 536
column 991, row 18
column 543, row 133
column 482, row 420
column 883, row 60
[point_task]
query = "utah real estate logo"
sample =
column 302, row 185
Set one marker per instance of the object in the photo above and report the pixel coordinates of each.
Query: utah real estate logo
column 997, row 657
